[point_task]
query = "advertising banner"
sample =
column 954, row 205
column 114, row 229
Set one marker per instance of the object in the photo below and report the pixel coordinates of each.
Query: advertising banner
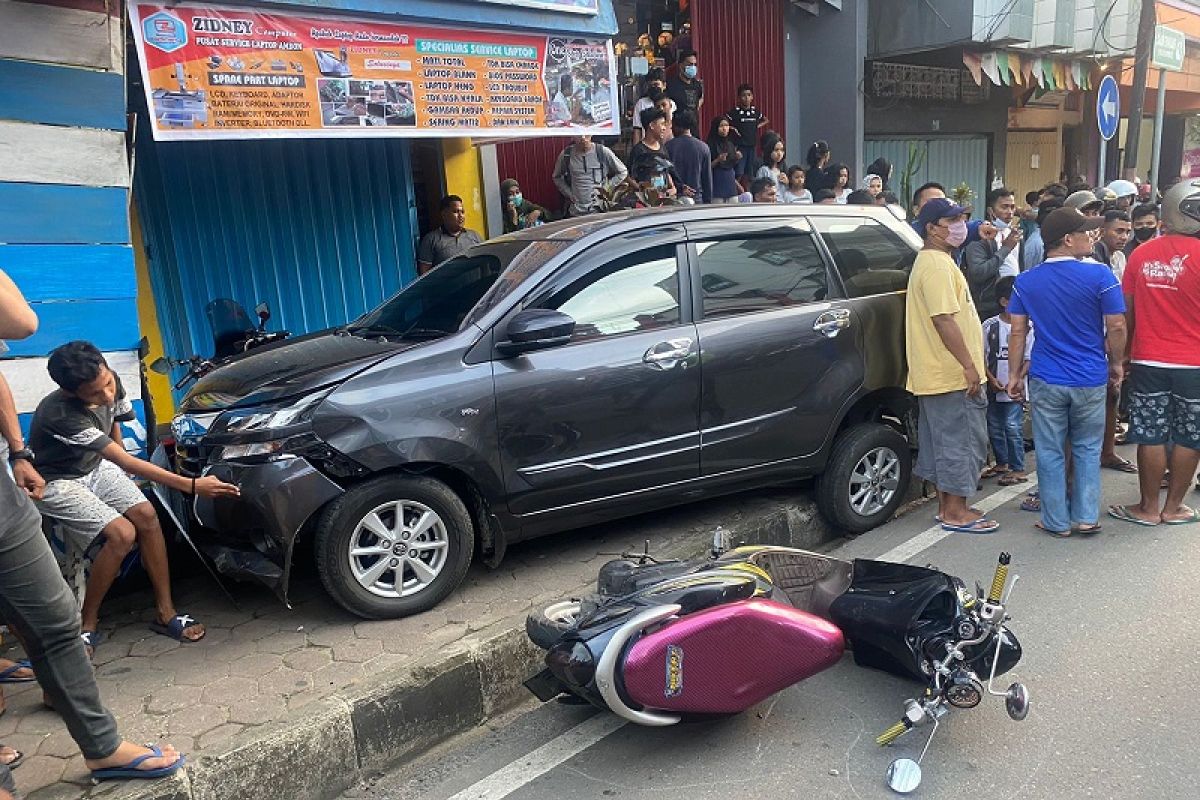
column 222, row 73
column 573, row 6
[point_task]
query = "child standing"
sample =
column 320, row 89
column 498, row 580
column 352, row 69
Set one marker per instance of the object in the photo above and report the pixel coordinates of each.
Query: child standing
column 1005, row 416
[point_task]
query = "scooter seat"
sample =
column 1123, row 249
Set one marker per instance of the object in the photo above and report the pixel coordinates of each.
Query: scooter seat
column 725, row 659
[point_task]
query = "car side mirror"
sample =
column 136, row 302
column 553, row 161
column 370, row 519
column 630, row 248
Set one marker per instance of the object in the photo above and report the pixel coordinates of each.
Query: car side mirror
column 536, row 329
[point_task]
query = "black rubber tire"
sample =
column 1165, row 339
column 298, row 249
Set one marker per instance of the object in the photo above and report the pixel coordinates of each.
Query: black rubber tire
column 339, row 519
column 544, row 631
column 833, row 485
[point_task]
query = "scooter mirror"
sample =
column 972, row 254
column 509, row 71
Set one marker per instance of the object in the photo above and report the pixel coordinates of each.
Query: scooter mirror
column 904, row 775
column 161, row 366
column 264, row 313
column 1016, row 701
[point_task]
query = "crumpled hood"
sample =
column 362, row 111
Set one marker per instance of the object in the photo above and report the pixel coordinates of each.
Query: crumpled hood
column 293, row 368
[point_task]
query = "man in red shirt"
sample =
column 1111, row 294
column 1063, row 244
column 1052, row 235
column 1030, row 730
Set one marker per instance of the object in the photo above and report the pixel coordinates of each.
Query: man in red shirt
column 1162, row 294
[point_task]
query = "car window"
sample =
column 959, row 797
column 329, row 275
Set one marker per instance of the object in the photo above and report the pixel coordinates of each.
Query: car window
column 744, row 274
column 636, row 292
column 871, row 258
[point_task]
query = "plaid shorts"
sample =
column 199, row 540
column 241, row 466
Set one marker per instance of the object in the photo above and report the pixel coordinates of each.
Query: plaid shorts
column 85, row 506
column 1164, row 406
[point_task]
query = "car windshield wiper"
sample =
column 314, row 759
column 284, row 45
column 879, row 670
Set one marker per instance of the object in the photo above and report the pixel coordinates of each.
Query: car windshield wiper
column 424, row 333
column 372, row 330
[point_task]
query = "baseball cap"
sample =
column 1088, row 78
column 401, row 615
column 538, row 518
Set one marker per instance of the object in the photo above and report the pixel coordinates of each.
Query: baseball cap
column 937, row 209
column 1065, row 220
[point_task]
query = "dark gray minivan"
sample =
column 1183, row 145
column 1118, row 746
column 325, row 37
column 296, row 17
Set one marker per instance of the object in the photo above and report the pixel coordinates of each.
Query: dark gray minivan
column 562, row 376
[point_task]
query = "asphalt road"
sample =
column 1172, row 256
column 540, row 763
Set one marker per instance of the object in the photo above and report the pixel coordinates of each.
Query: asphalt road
column 1110, row 633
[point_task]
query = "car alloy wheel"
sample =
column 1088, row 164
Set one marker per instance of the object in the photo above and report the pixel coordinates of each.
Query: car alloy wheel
column 874, row 481
column 398, row 549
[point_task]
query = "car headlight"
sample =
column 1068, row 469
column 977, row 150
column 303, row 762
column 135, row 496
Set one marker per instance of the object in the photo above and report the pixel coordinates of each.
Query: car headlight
column 268, row 420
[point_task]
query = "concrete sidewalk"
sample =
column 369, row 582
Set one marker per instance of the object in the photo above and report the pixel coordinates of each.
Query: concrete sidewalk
column 280, row 705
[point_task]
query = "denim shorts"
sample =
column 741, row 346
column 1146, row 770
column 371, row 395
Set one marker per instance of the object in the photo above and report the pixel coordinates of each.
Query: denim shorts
column 1164, row 406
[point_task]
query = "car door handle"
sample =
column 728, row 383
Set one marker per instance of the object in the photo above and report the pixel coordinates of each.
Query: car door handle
column 832, row 322
column 666, row 355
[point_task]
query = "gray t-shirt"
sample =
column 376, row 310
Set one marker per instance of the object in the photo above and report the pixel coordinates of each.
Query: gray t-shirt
column 438, row 245
column 67, row 436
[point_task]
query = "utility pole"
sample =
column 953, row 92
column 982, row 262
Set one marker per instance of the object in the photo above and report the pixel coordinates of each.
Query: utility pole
column 1137, row 94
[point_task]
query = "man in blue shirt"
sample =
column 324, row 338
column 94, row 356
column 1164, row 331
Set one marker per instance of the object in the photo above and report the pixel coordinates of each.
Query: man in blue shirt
column 692, row 159
column 1077, row 308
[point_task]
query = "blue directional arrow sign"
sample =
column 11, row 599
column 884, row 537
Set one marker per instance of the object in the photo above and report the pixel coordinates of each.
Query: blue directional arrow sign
column 1108, row 108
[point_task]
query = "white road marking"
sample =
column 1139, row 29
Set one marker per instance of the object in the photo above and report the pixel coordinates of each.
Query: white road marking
column 931, row 536
column 524, row 770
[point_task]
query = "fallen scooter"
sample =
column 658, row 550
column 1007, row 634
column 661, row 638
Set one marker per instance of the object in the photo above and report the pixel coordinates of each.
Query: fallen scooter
column 664, row 641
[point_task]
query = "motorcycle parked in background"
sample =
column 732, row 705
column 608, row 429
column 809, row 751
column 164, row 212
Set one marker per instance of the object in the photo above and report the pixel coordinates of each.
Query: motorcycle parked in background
column 233, row 334
column 662, row 641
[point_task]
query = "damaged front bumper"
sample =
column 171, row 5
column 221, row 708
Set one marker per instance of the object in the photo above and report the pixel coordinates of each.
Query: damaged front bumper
column 251, row 537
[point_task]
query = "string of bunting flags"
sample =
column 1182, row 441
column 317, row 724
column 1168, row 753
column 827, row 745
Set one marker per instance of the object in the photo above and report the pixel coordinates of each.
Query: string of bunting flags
column 1006, row 68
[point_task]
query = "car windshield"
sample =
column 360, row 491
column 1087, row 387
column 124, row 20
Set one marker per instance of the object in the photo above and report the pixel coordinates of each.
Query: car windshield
column 450, row 296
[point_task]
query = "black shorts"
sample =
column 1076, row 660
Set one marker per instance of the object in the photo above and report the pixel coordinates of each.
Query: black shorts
column 1164, row 406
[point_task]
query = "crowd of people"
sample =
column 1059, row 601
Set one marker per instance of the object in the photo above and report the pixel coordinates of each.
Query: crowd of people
column 1084, row 307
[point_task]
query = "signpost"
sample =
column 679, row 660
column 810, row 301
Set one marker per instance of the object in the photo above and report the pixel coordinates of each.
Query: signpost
column 1108, row 115
column 1170, row 47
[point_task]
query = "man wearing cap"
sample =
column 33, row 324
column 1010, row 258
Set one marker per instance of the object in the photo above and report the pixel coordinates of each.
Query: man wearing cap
column 1072, row 301
column 1086, row 202
column 944, row 342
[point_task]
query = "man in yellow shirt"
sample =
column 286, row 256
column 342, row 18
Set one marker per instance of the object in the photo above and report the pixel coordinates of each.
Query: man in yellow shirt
column 944, row 340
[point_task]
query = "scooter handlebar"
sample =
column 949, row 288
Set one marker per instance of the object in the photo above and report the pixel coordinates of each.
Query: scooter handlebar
column 999, row 579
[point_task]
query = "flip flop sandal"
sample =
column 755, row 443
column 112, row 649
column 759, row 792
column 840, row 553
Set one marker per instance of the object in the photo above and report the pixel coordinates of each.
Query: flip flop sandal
column 17, row 759
column 91, row 640
column 1011, row 480
column 1087, row 530
column 1125, row 515
column 938, row 517
column 1048, row 532
column 7, row 676
column 175, row 628
column 1195, row 517
column 131, row 770
column 1121, row 465
column 992, row 472
column 981, row 525
column 1031, row 504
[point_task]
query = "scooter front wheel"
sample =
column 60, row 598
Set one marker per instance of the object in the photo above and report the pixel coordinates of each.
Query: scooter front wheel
column 546, row 627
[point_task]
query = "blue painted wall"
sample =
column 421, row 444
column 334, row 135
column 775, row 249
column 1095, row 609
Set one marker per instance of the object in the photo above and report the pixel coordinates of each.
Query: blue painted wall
column 320, row 229
column 66, row 244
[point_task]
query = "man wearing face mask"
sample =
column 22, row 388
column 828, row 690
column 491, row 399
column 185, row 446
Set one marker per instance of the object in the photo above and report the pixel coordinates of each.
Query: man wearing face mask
column 1075, row 304
column 1145, row 226
column 944, row 343
column 686, row 89
column 992, row 257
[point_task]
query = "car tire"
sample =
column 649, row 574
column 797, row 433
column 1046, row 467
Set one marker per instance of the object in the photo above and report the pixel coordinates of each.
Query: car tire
column 349, row 547
column 546, row 626
column 856, row 453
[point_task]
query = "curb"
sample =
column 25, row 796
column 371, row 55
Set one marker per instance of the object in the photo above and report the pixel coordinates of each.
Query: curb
column 369, row 728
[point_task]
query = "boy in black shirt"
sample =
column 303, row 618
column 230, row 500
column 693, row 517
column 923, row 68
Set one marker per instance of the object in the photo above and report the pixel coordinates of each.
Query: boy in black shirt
column 686, row 89
column 77, row 438
column 747, row 121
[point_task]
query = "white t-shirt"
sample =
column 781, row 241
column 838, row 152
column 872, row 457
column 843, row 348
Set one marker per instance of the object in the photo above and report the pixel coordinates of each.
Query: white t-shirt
column 1002, row 354
column 641, row 105
column 788, row 196
column 1012, row 263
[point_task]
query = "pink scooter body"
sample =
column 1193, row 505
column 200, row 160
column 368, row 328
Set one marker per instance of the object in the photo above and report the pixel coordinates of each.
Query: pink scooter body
column 725, row 659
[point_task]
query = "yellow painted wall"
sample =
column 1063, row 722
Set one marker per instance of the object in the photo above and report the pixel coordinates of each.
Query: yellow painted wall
column 464, row 177
column 159, row 385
